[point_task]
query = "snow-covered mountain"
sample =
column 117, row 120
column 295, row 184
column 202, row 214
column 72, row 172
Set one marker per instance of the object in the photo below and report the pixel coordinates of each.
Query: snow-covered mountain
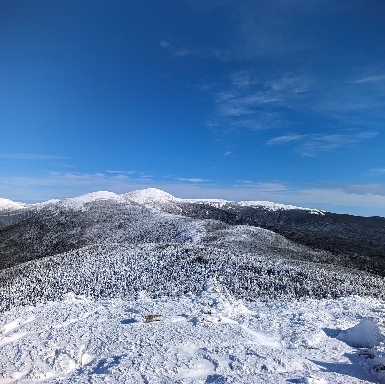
column 149, row 255
column 12, row 212
column 105, row 228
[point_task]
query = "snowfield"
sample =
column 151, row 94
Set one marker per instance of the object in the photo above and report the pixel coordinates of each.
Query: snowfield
column 204, row 338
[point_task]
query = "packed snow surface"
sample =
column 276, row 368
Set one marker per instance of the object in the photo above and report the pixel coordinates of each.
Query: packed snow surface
column 204, row 338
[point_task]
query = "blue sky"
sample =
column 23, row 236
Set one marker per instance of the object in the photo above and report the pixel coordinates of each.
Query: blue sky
column 244, row 100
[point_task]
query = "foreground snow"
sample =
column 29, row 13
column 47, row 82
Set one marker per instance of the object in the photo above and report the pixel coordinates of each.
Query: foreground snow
column 206, row 338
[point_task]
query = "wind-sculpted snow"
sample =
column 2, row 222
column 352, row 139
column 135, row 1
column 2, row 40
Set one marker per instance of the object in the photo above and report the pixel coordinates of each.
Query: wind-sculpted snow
column 206, row 338
column 116, row 270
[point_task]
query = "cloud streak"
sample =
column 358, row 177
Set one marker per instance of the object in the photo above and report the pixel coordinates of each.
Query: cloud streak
column 377, row 171
column 179, row 51
column 313, row 144
column 369, row 79
column 121, row 172
column 192, row 180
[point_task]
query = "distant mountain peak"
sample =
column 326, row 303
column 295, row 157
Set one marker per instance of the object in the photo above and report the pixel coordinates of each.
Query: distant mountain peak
column 148, row 195
column 9, row 205
column 78, row 202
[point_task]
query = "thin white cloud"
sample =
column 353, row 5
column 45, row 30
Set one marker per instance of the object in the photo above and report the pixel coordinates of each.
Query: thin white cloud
column 227, row 153
column 247, row 102
column 192, row 180
column 63, row 165
column 165, row 44
column 204, row 86
column 285, row 139
column 312, row 144
column 377, row 171
column 242, row 79
column 30, row 156
column 291, row 83
column 369, row 79
column 177, row 51
column 121, row 172
column 181, row 51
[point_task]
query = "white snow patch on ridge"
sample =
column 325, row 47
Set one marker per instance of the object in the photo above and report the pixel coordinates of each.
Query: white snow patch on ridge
column 277, row 206
column 217, row 203
column 78, row 202
column 9, row 205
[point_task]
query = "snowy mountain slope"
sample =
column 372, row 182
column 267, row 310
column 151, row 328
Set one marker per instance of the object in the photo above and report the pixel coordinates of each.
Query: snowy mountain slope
column 268, row 205
column 12, row 212
column 205, row 338
column 155, row 216
column 122, row 270
column 361, row 239
column 356, row 241
column 99, row 218
column 72, row 224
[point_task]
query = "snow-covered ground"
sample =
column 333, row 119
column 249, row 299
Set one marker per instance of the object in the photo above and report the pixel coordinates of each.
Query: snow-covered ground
column 205, row 338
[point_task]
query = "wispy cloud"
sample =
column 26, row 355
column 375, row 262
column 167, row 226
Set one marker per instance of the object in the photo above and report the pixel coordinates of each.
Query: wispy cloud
column 312, row 144
column 63, row 165
column 203, row 86
column 242, row 79
column 30, row 156
column 377, row 171
column 121, row 172
column 227, row 153
column 192, row 180
column 285, row 139
column 247, row 102
column 369, row 79
column 179, row 51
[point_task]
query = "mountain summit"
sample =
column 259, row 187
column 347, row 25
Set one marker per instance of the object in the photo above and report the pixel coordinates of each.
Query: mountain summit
column 148, row 195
